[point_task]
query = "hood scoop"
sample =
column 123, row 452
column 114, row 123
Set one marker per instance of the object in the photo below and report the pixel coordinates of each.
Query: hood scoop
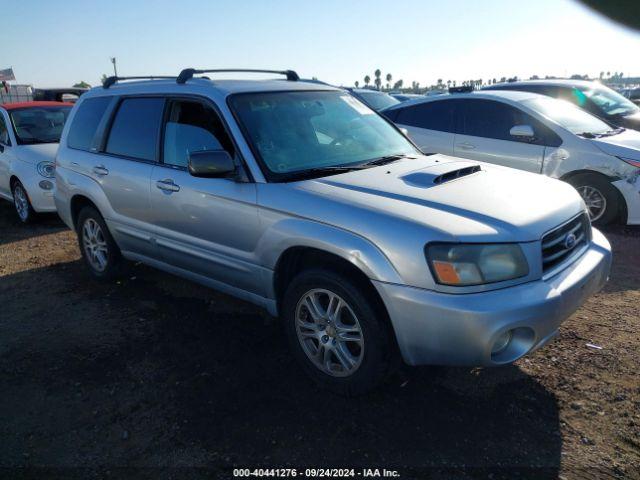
column 453, row 174
column 443, row 173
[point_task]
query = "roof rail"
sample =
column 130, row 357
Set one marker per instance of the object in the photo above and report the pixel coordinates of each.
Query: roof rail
column 109, row 81
column 188, row 73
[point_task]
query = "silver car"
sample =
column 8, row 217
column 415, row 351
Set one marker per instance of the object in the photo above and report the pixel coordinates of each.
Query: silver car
column 536, row 133
column 301, row 199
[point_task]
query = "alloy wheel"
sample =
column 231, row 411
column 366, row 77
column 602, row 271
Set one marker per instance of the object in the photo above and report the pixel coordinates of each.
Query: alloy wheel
column 95, row 244
column 329, row 332
column 595, row 201
column 21, row 202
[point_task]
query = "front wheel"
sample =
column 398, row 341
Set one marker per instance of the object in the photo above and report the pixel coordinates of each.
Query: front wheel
column 21, row 202
column 338, row 333
column 601, row 198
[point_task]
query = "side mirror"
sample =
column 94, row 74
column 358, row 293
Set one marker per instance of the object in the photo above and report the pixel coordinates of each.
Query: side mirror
column 523, row 132
column 211, row 163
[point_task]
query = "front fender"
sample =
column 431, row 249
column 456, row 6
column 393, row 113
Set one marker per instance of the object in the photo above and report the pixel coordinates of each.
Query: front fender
column 300, row 232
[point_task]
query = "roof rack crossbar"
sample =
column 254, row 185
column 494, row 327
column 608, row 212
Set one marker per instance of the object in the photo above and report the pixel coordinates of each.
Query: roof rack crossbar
column 109, row 81
column 188, row 73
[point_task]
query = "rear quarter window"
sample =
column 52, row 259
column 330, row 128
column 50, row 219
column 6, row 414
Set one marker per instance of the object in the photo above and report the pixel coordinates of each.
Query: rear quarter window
column 86, row 121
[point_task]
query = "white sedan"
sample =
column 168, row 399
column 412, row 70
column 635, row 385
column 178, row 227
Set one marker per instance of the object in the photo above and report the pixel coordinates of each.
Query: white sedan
column 536, row 133
column 29, row 136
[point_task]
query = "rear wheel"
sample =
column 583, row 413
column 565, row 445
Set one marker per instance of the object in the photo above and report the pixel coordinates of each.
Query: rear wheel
column 601, row 198
column 22, row 204
column 337, row 332
column 98, row 249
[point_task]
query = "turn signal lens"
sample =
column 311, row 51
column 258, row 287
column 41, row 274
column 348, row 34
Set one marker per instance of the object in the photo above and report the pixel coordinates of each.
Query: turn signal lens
column 446, row 272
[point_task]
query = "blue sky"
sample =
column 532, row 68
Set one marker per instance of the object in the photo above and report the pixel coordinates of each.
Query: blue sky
column 336, row 41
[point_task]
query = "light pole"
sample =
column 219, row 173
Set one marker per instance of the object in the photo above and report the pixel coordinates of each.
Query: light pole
column 115, row 70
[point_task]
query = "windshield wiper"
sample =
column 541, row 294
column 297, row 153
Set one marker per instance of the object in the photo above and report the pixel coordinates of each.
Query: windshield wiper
column 321, row 172
column 387, row 159
column 610, row 133
column 586, row 135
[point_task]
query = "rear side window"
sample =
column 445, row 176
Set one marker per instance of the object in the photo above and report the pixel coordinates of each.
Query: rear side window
column 135, row 128
column 86, row 121
column 438, row 115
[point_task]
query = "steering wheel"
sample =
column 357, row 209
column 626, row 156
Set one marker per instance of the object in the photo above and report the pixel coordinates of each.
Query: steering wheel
column 338, row 140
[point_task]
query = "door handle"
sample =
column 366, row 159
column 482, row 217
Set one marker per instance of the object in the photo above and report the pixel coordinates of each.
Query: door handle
column 466, row 146
column 167, row 185
column 100, row 170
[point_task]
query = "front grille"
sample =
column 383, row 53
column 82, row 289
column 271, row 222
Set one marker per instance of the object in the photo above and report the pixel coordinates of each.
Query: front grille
column 562, row 242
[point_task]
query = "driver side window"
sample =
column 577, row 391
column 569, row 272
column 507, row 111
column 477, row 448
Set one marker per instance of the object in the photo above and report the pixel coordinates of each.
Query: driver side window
column 4, row 133
column 192, row 127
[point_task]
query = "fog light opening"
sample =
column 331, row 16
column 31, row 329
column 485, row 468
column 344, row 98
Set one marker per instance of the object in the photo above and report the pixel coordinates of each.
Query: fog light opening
column 501, row 343
column 46, row 185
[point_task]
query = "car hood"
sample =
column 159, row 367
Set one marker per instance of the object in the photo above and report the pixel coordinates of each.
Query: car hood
column 625, row 144
column 37, row 153
column 492, row 204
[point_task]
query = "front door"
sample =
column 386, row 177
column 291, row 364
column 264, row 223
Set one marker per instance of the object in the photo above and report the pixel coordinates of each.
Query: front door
column 6, row 154
column 484, row 136
column 207, row 226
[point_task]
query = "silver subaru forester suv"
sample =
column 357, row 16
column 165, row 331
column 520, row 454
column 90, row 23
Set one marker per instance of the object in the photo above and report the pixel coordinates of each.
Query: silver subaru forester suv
column 299, row 198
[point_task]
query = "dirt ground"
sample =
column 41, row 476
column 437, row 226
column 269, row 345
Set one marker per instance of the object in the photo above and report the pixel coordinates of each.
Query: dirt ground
column 116, row 379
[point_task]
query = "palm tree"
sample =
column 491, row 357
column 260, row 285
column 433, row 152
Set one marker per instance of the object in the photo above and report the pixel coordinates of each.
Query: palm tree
column 389, row 78
column 357, row 84
column 367, row 79
column 378, row 80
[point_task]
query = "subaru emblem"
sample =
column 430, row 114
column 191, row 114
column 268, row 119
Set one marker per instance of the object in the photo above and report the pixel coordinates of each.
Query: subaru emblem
column 570, row 241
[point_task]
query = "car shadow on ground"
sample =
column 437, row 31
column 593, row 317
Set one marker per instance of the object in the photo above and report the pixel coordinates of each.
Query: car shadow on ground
column 156, row 371
column 44, row 224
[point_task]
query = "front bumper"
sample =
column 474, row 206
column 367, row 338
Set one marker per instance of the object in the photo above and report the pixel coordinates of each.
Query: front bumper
column 41, row 200
column 435, row 328
column 630, row 190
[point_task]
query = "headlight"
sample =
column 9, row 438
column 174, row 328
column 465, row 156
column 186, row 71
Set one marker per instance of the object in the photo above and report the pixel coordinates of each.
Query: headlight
column 474, row 264
column 635, row 163
column 47, row 169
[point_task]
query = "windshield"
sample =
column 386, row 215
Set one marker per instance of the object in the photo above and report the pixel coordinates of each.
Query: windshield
column 569, row 116
column 298, row 131
column 39, row 124
column 609, row 102
column 377, row 100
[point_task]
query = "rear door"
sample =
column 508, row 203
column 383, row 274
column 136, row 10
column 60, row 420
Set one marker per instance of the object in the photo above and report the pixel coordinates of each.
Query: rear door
column 123, row 165
column 430, row 125
column 484, row 135
column 207, row 226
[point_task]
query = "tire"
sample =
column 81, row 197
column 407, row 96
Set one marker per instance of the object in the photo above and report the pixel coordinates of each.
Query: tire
column 25, row 212
column 106, row 262
column 602, row 198
column 375, row 355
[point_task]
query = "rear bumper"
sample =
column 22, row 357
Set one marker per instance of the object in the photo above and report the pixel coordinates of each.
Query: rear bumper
column 445, row 329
